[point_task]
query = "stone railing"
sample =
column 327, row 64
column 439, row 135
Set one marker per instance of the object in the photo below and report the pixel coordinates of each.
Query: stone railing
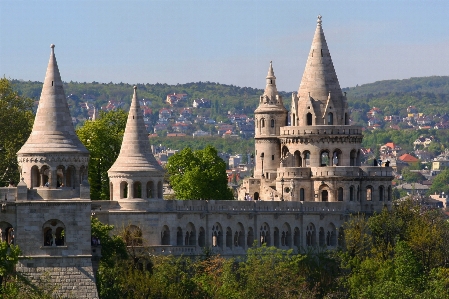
column 320, row 130
column 168, row 250
column 8, row 193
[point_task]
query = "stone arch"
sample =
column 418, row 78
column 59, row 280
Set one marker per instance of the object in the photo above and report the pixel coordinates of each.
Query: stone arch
column 123, row 189
column 35, row 177
column 298, row 159
column 179, row 237
column 228, row 237
column 324, row 193
column 137, row 188
column 250, row 237
column 159, row 190
column 330, row 118
column 217, row 235
column 353, row 158
column 202, row 237
column 306, row 160
column 6, row 232
column 276, row 237
column 240, row 233
column 54, row 233
column 381, row 193
column 336, row 157
column 340, row 194
column 150, row 189
column 190, row 235
column 265, row 237
column 310, row 234
column 60, row 176
column 45, row 175
column 331, row 235
column 285, row 151
column 286, row 235
column 309, row 119
column 70, row 176
column 165, row 235
column 321, row 237
column 133, row 235
column 351, row 193
column 369, row 193
column 297, row 238
column 324, row 158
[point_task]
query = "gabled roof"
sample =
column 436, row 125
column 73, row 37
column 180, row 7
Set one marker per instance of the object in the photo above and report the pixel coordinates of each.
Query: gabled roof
column 408, row 158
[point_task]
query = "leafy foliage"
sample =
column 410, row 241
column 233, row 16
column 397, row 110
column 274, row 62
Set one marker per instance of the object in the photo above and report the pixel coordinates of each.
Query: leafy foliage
column 16, row 122
column 198, row 174
column 103, row 139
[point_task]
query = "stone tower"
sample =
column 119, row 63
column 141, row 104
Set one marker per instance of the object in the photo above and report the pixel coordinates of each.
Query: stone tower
column 317, row 156
column 269, row 116
column 53, row 161
column 136, row 176
column 51, row 214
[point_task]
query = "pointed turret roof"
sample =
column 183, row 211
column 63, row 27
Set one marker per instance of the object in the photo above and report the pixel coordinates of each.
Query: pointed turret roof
column 135, row 153
column 319, row 76
column 270, row 98
column 53, row 129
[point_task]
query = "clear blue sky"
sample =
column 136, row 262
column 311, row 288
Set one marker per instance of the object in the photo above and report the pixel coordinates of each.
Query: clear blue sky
column 230, row 42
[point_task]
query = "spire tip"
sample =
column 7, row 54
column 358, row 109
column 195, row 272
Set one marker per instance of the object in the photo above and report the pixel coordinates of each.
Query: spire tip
column 319, row 19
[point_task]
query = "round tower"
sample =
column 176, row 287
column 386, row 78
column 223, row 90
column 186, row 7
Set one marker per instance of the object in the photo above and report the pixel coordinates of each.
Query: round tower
column 136, row 176
column 269, row 117
column 53, row 161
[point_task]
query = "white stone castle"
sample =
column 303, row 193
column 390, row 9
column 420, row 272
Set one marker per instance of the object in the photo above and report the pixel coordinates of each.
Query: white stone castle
column 307, row 181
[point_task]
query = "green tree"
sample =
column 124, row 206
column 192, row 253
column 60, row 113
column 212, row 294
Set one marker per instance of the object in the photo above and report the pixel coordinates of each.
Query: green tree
column 199, row 174
column 16, row 122
column 440, row 183
column 103, row 138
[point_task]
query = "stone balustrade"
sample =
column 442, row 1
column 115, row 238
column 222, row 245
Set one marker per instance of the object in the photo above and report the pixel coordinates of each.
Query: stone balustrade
column 320, row 130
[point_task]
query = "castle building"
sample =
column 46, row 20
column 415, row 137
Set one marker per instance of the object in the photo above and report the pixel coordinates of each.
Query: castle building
column 308, row 179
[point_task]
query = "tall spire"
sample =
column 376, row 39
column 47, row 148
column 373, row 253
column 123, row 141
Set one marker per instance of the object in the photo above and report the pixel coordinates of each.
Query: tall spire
column 319, row 76
column 270, row 88
column 53, row 129
column 135, row 153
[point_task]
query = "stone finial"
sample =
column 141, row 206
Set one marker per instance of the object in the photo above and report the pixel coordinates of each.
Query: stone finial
column 319, row 21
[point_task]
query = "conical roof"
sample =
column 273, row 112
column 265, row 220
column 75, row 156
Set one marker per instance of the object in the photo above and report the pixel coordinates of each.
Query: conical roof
column 270, row 99
column 53, row 129
column 319, row 78
column 135, row 153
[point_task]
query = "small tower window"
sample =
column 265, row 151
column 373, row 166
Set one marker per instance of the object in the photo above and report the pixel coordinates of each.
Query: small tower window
column 330, row 118
column 309, row 119
column 262, row 123
column 272, row 157
column 272, row 123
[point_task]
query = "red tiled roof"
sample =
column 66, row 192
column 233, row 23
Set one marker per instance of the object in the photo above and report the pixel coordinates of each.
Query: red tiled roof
column 408, row 158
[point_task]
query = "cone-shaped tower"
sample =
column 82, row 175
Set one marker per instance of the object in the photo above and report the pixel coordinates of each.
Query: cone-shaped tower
column 270, row 115
column 53, row 156
column 135, row 174
column 319, row 92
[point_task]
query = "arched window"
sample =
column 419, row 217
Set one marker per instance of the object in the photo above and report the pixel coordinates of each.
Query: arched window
column 202, row 238
column 353, row 158
column 336, row 157
column 340, row 194
column 330, row 118
column 324, row 158
column 309, row 119
column 45, row 176
column 190, row 235
column 165, row 236
column 310, row 235
column 179, row 237
column 276, row 237
column 54, row 233
column 293, row 119
column 296, row 238
column 331, row 235
column 324, row 195
column 70, row 177
column 389, row 193
column 286, row 235
column 381, row 193
column 351, row 193
column 341, row 237
column 298, row 159
column 137, row 190
column 250, row 237
column 150, row 189
column 60, row 176
column 306, row 162
column 6, row 232
column 369, row 193
column 346, row 119
column 264, row 232
column 111, row 190
column 35, row 177
column 228, row 237
column 301, row 194
column 123, row 189
column 240, row 235
column 159, row 190
column 272, row 123
column 321, row 237
column 217, row 235
column 262, row 123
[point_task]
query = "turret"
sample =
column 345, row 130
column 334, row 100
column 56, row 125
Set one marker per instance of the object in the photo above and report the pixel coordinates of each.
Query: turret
column 135, row 176
column 53, row 160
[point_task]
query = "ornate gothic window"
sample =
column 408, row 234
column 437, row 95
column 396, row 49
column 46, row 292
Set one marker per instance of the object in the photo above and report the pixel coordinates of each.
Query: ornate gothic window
column 54, row 233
